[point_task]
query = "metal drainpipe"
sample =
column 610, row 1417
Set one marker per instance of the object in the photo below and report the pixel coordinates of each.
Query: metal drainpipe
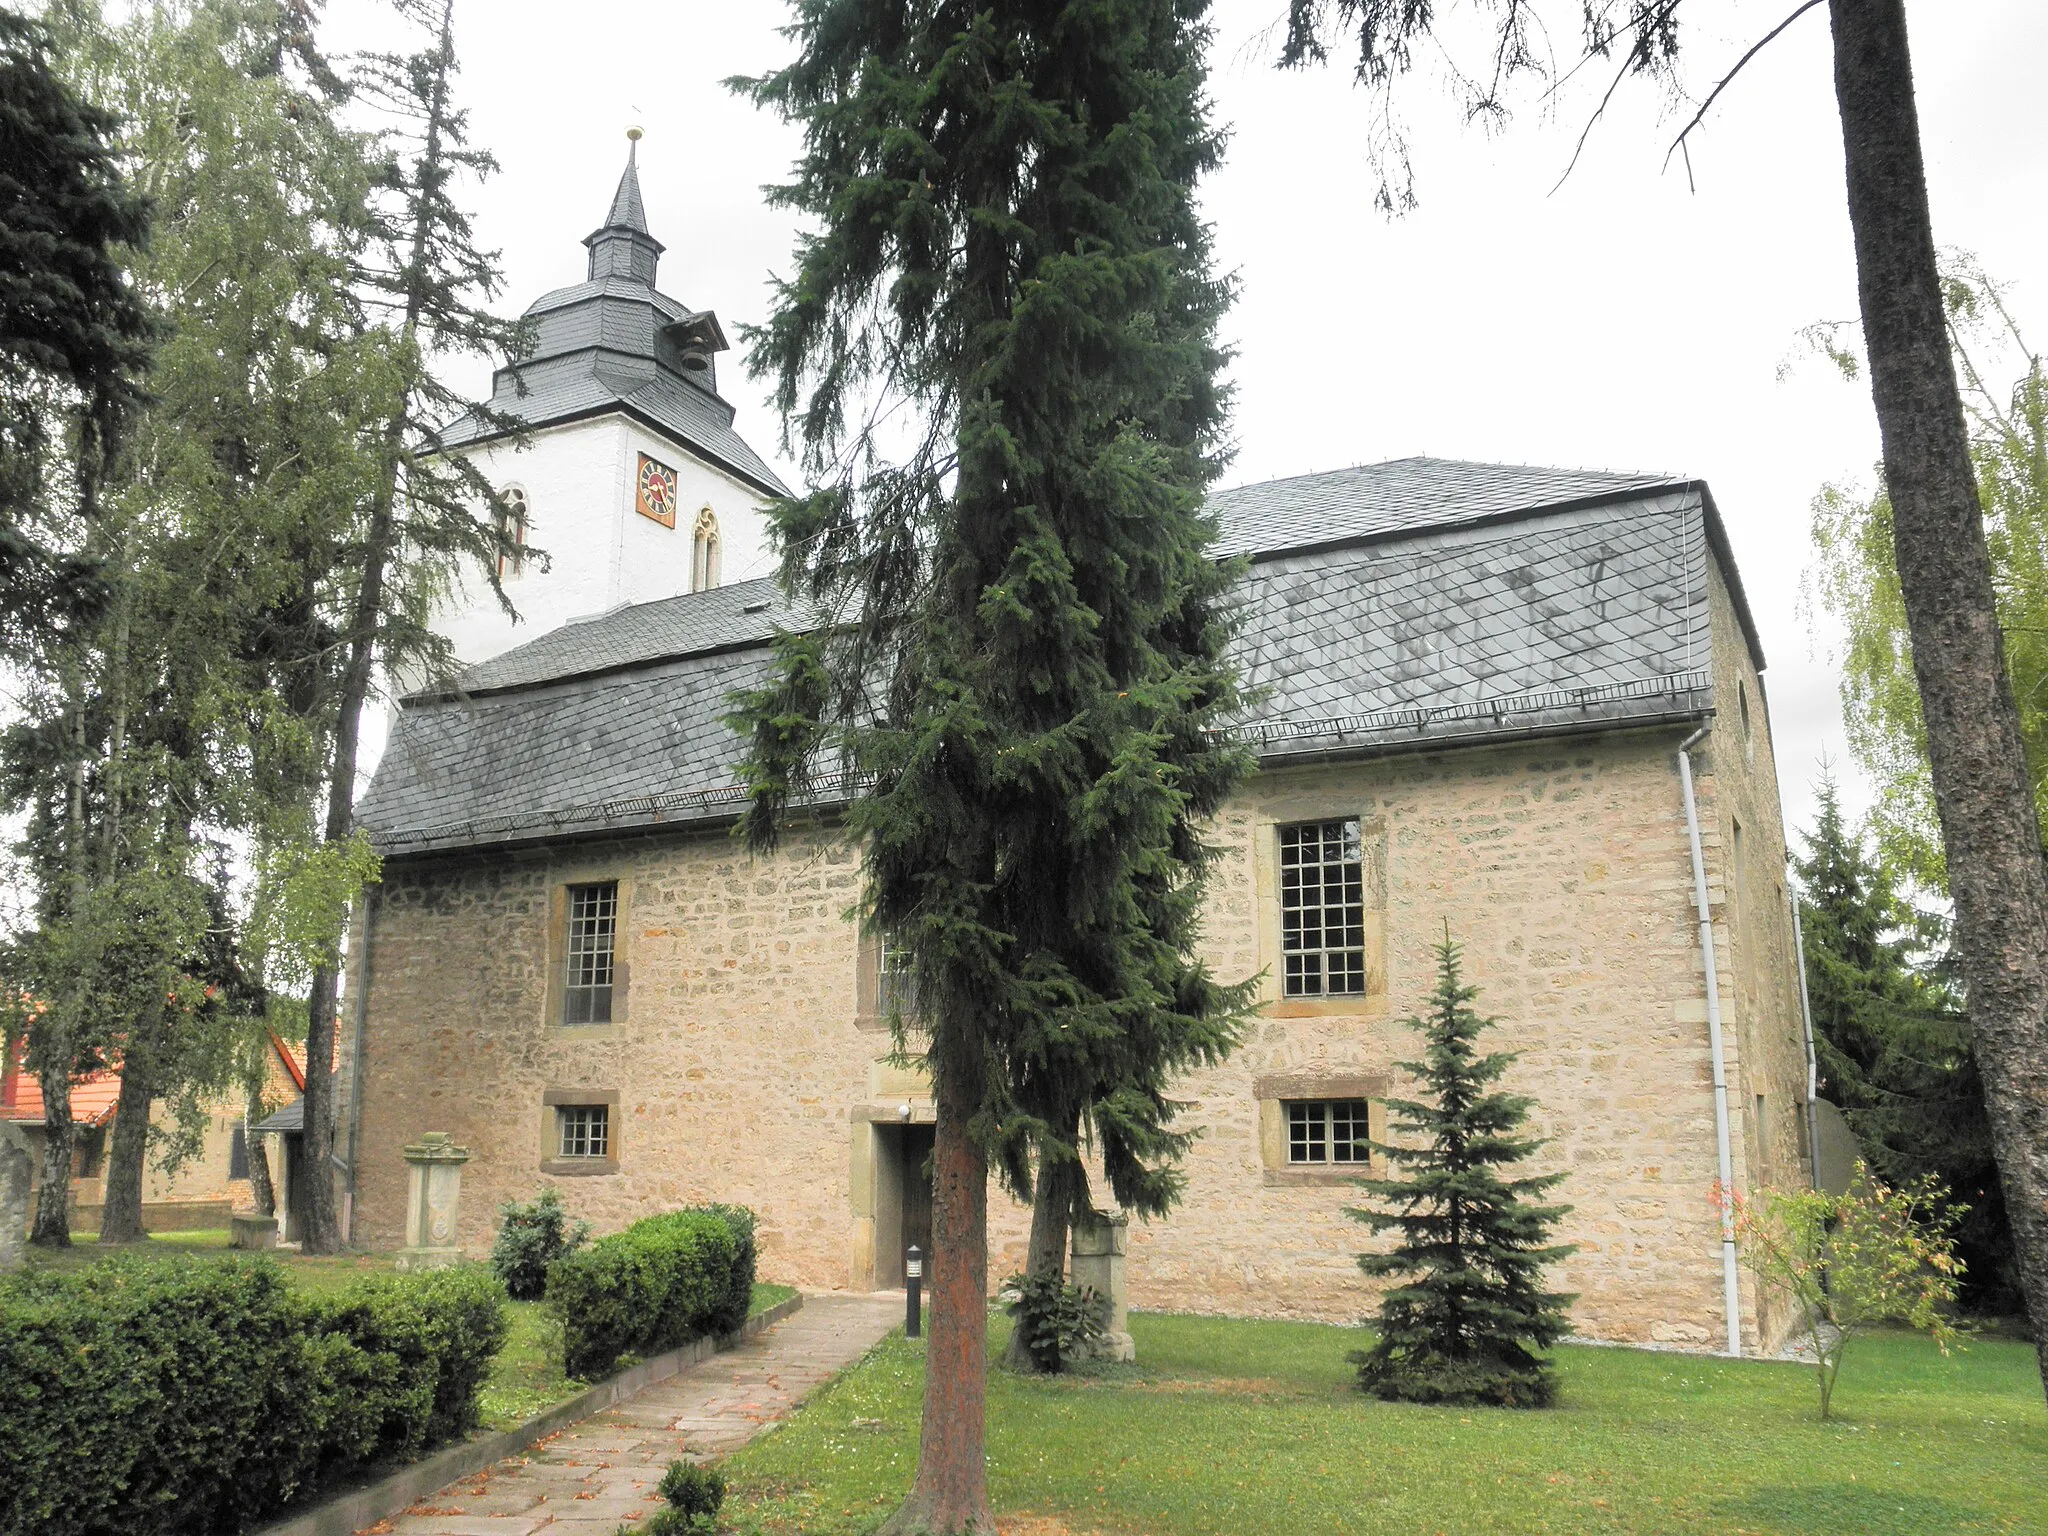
column 1812, row 1057
column 1731, row 1293
column 355, row 1055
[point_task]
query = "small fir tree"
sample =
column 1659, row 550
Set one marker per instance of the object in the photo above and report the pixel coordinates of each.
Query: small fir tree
column 1464, row 1329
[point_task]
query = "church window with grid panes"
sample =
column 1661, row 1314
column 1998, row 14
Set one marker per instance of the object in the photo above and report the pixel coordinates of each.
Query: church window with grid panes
column 1322, row 908
column 585, row 1129
column 1327, row 1131
column 593, row 937
column 895, row 982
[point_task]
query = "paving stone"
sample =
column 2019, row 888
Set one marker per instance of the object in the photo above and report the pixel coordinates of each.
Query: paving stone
column 586, row 1479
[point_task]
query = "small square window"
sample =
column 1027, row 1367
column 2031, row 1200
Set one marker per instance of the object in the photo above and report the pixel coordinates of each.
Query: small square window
column 593, row 936
column 1322, row 908
column 1322, row 1131
column 585, row 1129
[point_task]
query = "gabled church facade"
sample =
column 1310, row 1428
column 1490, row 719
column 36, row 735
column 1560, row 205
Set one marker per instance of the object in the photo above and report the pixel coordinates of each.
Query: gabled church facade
column 1476, row 681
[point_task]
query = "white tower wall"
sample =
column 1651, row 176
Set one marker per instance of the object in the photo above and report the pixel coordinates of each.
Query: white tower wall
column 579, row 479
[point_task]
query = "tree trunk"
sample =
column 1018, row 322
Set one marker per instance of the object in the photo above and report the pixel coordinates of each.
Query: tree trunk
column 127, row 1148
column 950, row 1497
column 52, row 1228
column 321, row 1231
column 1058, row 1191
column 260, row 1190
column 1981, row 792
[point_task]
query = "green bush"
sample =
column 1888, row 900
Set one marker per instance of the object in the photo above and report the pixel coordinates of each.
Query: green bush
column 692, row 1489
column 654, row 1286
column 442, row 1329
column 530, row 1238
column 739, row 1289
column 159, row 1397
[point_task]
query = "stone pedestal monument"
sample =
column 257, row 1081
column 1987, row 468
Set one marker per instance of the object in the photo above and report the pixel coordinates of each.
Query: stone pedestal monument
column 18, row 1155
column 434, row 1187
column 1100, row 1243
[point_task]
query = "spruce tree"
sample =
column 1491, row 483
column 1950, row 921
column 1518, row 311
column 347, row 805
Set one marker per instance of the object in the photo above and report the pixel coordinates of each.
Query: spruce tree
column 998, row 359
column 1895, row 1048
column 1465, row 1327
column 74, row 337
column 74, row 343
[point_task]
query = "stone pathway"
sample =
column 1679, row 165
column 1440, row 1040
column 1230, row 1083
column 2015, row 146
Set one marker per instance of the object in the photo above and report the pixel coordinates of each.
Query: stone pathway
column 586, row 1479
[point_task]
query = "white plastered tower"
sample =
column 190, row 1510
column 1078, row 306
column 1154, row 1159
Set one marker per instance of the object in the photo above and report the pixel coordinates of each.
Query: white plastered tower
column 630, row 483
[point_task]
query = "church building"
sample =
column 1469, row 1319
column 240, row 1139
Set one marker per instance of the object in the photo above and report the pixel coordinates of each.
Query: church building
column 1524, row 702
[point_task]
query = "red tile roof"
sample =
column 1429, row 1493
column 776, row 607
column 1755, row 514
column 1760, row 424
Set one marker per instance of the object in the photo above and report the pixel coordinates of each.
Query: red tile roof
column 92, row 1098
column 293, row 1062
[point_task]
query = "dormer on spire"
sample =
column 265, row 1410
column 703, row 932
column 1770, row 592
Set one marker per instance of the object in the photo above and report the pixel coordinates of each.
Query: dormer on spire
column 622, row 247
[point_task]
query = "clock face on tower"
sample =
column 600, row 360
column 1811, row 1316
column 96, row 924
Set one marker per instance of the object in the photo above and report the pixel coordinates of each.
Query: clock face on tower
column 656, row 494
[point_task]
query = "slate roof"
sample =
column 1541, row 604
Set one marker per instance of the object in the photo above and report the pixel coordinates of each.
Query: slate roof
column 1372, row 500
column 627, row 211
column 722, row 619
column 291, row 1118
column 1417, row 604
column 615, row 342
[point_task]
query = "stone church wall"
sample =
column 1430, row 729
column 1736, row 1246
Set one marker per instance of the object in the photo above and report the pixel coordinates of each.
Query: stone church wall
column 739, row 1068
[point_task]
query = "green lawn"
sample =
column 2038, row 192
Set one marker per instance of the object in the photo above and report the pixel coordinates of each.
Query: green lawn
column 1238, row 1427
column 525, row 1378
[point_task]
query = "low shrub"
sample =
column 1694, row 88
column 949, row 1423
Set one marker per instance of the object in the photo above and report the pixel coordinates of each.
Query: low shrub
column 694, row 1495
column 161, row 1397
column 530, row 1238
column 1057, row 1323
column 693, row 1489
column 654, row 1286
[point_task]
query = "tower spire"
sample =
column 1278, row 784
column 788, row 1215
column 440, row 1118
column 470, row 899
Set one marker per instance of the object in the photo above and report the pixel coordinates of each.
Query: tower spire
column 622, row 245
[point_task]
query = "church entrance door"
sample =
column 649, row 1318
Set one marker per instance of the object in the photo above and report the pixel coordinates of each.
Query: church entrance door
column 903, row 1200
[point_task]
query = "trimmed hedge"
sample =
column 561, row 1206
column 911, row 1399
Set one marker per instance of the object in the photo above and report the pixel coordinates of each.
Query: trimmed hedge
column 660, row 1283
column 161, row 1397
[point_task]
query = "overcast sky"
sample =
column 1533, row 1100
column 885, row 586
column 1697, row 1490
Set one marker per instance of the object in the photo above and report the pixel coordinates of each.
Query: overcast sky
column 1624, row 321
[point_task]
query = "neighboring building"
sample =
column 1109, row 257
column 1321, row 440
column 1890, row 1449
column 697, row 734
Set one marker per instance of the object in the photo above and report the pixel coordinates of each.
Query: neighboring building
column 1475, row 679
column 205, row 1187
column 629, row 482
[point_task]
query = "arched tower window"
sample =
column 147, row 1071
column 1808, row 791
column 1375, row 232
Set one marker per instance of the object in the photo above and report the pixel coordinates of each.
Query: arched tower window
column 704, row 553
column 512, row 523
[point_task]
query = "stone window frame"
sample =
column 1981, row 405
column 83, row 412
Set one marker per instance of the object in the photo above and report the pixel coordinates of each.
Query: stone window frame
column 1275, row 1091
column 553, row 1101
column 558, row 950
column 1375, row 844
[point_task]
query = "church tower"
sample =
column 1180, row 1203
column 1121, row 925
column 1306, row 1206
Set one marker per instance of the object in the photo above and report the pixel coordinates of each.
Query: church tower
column 632, row 483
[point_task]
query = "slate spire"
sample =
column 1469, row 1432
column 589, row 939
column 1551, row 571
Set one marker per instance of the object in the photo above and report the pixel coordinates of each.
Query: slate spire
column 622, row 246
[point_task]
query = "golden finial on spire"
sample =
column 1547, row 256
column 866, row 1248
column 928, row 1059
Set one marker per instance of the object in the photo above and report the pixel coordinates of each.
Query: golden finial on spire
column 634, row 133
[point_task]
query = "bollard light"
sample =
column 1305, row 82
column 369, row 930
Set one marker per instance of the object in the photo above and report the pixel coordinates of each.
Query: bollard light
column 913, row 1292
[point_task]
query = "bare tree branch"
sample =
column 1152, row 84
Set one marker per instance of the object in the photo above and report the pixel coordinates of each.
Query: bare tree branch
column 1699, row 117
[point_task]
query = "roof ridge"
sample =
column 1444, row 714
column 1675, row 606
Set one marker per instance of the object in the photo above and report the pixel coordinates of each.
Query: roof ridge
column 1429, row 458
